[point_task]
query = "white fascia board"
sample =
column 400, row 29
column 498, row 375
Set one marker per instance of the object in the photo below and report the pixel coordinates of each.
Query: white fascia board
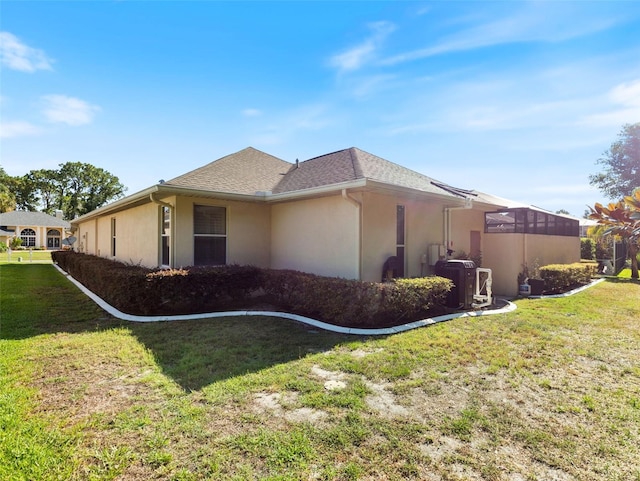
column 116, row 205
column 315, row 191
column 451, row 199
column 143, row 197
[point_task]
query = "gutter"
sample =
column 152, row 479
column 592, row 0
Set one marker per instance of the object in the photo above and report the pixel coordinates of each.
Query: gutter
column 142, row 195
column 324, row 189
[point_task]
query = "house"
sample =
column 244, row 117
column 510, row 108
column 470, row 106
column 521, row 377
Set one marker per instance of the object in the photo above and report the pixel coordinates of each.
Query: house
column 36, row 229
column 342, row 214
column 585, row 225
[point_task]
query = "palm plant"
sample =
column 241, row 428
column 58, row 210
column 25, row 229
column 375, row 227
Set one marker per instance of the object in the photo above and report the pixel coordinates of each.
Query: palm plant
column 622, row 219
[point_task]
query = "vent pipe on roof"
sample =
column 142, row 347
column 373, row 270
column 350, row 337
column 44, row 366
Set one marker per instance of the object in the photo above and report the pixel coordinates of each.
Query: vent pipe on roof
column 297, row 163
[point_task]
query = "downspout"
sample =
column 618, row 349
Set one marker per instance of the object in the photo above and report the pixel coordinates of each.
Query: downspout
column 525, row 258
column 172, row 225
column 358, row 205
column 159, row 202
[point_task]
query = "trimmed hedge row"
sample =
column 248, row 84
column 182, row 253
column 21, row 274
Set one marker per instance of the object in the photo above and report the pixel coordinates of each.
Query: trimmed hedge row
column 142, row 291
column 559, row 277
column 354, row 303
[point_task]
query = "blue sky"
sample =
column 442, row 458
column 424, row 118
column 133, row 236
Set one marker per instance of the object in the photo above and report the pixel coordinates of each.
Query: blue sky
column 517, row 99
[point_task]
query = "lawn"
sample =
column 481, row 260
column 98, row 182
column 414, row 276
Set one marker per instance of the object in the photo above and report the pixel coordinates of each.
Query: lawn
column 548, row 392
column 25, row 256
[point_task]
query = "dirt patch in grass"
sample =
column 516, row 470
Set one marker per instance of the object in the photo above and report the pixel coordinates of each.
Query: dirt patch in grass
column 278, row 405
column 549, row 392
column 81, row 390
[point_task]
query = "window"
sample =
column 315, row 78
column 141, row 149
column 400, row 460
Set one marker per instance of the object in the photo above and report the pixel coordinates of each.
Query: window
column 53, row 239
column 523, row 220
column 28, row 237
column 400, row 230
column 113, row 237
column 165, row 236
column 209, row 235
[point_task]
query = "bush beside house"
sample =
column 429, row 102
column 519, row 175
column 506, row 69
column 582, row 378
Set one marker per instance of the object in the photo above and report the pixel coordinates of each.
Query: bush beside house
column 561, row 277
column 138, row 290
column 587, row 249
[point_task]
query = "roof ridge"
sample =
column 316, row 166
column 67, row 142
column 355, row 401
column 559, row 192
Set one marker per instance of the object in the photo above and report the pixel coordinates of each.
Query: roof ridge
column 355, row 163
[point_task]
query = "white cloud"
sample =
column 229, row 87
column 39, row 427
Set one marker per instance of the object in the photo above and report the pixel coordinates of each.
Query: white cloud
column 534, row 22
column 68, row 110
column 17, row 56
column 357, row 56
column 251, row 113
column 623, row 101
column 17, row 128
column 309, row 118
column 627, row 93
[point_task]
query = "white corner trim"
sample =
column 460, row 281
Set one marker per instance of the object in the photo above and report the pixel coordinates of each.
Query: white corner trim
column 285, row 315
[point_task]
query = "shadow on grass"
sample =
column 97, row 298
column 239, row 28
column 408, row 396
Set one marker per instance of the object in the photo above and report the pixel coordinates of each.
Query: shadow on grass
column 37, row 299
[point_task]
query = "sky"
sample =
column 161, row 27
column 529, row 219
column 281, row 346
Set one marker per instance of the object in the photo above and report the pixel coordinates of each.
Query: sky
column 517, row 99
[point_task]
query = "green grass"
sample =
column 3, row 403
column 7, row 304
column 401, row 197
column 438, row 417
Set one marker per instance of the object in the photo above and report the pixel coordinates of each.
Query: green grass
column 550, row 391
column 25, row 256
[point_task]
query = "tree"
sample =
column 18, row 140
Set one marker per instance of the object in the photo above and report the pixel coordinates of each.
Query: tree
column 75, row 188
column 623, row 219
column 7, row 197
column 563, row 211
column 622, row 165
column 84, row 187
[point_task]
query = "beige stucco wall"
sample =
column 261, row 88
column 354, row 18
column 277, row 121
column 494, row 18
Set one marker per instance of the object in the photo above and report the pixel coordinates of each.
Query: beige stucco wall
column 316, row 235
column 463, row 221
column 86, row 240
column 507, row 254
column 423, row 226
column 136, row 235
column 248, row 237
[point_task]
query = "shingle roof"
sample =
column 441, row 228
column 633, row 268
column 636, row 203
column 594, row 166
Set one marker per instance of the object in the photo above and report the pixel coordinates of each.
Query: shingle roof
column 353, row 164
column 245, row 172
column 250, row 171
column 25, row 219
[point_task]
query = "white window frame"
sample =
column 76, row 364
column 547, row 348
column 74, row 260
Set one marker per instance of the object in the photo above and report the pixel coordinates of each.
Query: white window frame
column 165, row 234
column 26, row 236
column 224, row 235
column 113, row 246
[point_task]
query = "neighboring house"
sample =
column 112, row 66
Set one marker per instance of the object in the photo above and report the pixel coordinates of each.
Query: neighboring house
column 585, row 225
column 36, row 229
column 342, row 214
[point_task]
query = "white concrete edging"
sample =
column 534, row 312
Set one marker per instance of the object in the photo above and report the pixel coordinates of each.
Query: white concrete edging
column 570, row 293
column 294, row 317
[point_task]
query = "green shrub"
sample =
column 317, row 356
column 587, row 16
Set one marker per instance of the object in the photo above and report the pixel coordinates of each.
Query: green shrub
column 3, row 247
column 137, row 290
column 559, row 277
column 355, row 303
column 587, row 249
column 604, row 249
column 15, row 242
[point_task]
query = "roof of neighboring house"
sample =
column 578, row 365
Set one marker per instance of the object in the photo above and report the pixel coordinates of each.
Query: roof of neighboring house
column 354, row 164
column 246, row 172
column 31, row 219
